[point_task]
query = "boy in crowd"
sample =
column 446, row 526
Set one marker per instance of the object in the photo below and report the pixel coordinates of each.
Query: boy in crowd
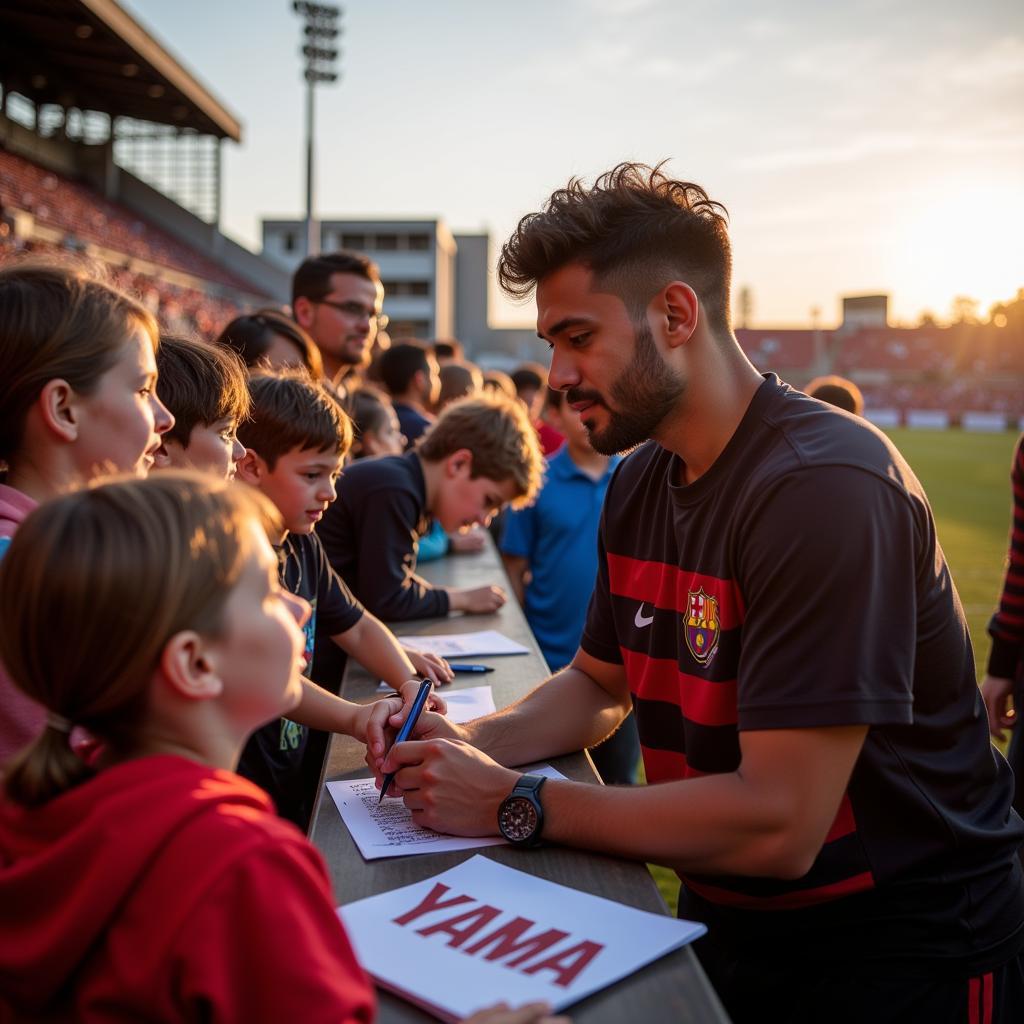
column 550, row 553
column 837, row 391
column 531, row 383
column 481, row 454
column 295, row 441
column 410, row 374
column 206, row 387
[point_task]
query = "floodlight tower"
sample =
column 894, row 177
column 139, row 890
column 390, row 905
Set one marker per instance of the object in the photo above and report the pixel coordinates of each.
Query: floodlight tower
column 319, row 36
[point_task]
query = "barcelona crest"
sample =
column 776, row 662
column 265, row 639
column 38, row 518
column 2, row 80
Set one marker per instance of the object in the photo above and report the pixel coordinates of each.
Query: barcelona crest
column 703, row 628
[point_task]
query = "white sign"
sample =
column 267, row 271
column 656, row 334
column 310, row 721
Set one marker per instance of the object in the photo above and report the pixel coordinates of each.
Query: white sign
column 384, row 828
column 481, row 932
column 483, row 644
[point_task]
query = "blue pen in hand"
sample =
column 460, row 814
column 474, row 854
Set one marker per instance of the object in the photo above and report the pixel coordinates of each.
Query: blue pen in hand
column 407, row 727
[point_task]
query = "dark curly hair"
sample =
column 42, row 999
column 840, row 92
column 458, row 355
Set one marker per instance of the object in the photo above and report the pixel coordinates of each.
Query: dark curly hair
column 636, row 229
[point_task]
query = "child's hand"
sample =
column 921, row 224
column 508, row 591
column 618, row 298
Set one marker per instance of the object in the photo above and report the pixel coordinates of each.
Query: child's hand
column 476, row 600
column 408, row 690
column 429, row 727
column 430, row 666
column 372, row 722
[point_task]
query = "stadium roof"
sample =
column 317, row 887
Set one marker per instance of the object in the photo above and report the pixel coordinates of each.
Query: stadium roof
column 92, row 54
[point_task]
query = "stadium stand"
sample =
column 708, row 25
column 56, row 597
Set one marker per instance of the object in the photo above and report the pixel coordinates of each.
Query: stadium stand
column 80, row 78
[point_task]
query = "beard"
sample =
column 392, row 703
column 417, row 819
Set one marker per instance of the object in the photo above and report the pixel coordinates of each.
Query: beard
column 645, row 393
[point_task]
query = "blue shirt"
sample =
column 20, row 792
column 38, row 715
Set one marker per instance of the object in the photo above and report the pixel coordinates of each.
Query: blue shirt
column 557, row 535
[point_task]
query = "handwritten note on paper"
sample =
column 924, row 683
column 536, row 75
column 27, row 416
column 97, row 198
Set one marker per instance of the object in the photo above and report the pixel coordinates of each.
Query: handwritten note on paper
column 485, row 643
column 466, row 704
column 502, row 934
column 386, row 829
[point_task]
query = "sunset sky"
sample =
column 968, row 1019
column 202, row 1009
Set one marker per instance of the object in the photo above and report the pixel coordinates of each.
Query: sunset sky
column 864, row 147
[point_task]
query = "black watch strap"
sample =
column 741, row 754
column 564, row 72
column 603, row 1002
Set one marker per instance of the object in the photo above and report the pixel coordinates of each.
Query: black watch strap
column 529, row 785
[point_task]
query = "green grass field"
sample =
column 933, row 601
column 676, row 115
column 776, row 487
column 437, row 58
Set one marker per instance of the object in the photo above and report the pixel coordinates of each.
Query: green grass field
column 967, row 479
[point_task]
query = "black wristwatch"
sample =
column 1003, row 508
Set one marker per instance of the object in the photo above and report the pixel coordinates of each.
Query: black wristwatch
column 520, row 816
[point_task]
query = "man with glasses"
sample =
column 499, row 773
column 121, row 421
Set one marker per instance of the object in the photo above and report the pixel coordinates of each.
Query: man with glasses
column 337, row 298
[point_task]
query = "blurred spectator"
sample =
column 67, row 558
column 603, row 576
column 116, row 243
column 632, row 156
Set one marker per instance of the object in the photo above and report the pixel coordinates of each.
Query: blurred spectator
column 496, row 380
column 269, row 339
column 458, row 380
column 550, row 552
column 448, row 350
column 410, row 375
column 376, row 427
column 837, row 391
column 530, row 379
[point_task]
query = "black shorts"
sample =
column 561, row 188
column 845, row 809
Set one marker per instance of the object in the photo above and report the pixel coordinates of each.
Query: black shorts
column 773, row 982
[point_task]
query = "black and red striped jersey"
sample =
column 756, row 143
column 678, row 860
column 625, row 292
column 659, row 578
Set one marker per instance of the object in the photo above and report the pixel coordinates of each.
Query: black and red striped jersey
column 1006, row 628
column 799, row 583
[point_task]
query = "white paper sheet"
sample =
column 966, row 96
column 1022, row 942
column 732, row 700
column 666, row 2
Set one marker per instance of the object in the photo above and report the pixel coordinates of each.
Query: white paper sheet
column 485, row 643
column 386, row 829
column 481, row 932
column 463, row 705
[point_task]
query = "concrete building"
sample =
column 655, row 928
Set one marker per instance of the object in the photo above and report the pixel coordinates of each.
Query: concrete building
column 436, row 285
column 864, row 311
column 416, row 260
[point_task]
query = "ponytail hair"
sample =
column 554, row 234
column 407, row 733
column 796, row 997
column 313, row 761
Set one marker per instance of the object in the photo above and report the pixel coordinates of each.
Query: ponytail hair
column 57, row 321
column 118, row 569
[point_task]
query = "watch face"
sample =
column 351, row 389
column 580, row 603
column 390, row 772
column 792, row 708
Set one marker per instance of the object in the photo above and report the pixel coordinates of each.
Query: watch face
column 518, row 818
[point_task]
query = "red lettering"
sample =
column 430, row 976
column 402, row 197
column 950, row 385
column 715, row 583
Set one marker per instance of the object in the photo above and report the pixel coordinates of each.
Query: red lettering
column 433, row 902
column 567, row 964
column 471, row 922
column 506, row 942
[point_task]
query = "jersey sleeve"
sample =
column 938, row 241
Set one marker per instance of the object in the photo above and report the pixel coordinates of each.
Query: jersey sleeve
column 338, row 609
column 520, row 532
column 599, row 638
column 827, row 573
column 387, row 583
column 267, row 944
column 1006, row 627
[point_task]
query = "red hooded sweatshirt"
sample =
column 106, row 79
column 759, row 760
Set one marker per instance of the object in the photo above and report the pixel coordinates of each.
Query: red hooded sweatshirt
column 163, row 890
column 21, row 719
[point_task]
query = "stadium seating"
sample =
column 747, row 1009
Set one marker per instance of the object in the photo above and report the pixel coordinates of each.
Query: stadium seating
column 83, row 215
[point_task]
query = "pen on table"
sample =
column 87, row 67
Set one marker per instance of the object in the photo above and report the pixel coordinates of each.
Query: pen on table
column 469, row 668
column 407, row 727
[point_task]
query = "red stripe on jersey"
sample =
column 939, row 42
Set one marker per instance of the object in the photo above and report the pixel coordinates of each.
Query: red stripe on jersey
column 666, row 766
column 701, row 701
column 668, row 587
column 785, row 901
column 845, row 823
column 973, row 1000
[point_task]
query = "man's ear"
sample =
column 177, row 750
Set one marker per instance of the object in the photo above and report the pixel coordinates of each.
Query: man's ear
column 459, row 463
column 188, row 668
column 681, row 309
column 250, row 468
column 57, row 405
column 302, row 309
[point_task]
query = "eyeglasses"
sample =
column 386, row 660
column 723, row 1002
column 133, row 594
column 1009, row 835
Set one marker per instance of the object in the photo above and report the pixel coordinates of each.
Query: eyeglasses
column 357, row 310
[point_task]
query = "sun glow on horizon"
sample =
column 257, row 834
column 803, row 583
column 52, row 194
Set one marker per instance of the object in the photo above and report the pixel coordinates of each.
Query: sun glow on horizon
column 961, row 238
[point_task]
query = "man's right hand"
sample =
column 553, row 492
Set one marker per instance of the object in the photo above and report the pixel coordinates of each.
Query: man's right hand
column 997, row 692
column 478, row 600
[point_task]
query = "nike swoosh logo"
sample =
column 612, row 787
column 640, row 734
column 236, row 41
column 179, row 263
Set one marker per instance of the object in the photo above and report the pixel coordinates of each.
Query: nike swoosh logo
column 642, row 620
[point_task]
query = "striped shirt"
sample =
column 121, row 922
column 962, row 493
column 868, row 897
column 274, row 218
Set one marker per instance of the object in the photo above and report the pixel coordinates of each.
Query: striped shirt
column 1007, row 625
column 799, row 583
